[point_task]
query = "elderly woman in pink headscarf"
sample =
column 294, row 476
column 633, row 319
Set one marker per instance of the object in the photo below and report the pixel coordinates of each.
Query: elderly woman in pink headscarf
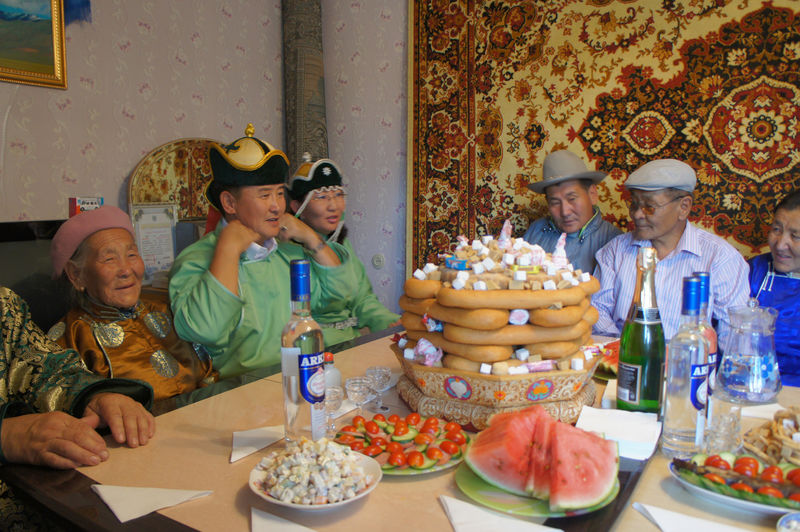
column 117, row 332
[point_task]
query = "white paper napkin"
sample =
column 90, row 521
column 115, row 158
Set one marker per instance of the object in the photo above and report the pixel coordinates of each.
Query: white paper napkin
column 466, row 517
column 129, row 503
column 246, row 442
column 669, row 521
column 761, row 411
column 636, row 432
column 347, row 406
column 266, row 522
column 609, row 399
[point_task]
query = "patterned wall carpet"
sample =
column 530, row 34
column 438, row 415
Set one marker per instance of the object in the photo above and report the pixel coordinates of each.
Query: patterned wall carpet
column 499, row 84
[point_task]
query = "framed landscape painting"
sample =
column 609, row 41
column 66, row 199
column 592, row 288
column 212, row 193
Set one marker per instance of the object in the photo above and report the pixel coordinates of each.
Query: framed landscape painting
column 32, row 43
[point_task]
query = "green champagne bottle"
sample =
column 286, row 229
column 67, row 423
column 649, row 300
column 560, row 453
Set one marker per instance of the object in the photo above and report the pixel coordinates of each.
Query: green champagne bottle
column 642, row 350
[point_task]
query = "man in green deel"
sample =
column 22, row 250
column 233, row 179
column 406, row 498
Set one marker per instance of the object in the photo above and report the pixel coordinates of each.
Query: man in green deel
column 230, row 290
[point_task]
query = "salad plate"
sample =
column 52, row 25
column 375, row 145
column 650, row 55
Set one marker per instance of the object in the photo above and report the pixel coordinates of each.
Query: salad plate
column 371, row 469
column 727, row 500
column 495, row 498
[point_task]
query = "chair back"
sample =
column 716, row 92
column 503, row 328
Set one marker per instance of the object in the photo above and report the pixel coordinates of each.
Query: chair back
column 176, row 172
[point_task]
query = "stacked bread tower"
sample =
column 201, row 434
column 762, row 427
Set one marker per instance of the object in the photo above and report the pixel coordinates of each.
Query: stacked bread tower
column 497, row 305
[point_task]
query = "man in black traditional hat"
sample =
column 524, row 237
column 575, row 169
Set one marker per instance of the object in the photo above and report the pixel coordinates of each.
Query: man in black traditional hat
column 571, row 192
column 230, row 290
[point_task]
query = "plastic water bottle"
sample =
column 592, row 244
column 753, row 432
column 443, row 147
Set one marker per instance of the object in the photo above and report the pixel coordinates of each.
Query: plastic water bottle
column 302, row 363
column 641, row 348
column 333, row 377
column 686, row 381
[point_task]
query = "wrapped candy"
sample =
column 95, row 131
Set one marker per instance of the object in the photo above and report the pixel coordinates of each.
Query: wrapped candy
column 426, row 353
column 432, row 324
column 560, row 254
column 518, row 316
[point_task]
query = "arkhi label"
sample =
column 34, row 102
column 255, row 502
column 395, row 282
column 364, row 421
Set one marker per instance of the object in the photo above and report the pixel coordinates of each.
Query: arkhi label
column 312, row 377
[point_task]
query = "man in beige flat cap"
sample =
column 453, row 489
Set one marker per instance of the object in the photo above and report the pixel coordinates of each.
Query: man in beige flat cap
column 571, row 192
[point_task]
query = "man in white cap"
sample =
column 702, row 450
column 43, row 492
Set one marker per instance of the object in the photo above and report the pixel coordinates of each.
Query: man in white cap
column 571, row 192
column 661, row 200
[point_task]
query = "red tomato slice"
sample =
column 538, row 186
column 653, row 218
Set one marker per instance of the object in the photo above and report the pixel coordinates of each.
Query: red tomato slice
column 745, row 469
column 395, row 447
column 379, row 417
column 713, row 477
column 772, row 474
column 449, row 447
column 372, row 450
column 423, row 438
column 371, row 427
column 716, row 460
column 415, row 459
column 400, row 430
column 380, row 442
column 349, row 428
column 398, row 459
column 749, row 461
column 434, row 453
column 359, row 421
column 452, row 426
column 795, row 497
column 413, row 418
column 770, row 491
column 457, row 437
column 393, row 418
column 741, row 486
column 357, row 445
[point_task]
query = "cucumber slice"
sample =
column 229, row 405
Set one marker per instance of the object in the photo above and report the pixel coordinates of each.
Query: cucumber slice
column 407, row 437
column 728, row 457
column 426, row 464
column 700, row 459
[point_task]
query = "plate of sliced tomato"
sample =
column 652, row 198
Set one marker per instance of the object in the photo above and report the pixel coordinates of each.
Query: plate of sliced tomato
column 742, row 481
column 410, row 445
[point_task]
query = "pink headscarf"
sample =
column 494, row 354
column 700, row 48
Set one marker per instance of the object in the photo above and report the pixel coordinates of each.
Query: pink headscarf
column 75, row 230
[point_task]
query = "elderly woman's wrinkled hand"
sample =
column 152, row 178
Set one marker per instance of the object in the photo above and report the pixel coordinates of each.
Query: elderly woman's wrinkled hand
column 128, row 420
column 53, row 439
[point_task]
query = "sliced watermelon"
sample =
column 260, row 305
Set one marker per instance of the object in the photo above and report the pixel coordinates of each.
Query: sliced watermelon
column 500, row 454
column 538, row 484
column 584, row 469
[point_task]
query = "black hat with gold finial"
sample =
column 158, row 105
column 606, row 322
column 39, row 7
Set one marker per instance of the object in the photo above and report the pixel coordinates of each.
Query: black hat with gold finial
column 245, row 162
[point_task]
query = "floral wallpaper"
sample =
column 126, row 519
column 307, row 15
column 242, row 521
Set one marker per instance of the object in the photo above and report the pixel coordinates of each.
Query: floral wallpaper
column 364, row 47
column 139, row 74
column 144, row 73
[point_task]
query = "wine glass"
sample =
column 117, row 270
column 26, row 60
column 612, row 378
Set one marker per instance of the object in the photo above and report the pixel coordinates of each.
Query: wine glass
column 358, row 391
column 379, row 378
column 334, row 396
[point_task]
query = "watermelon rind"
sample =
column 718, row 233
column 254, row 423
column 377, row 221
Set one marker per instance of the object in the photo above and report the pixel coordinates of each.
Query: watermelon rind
column 500, row 454
column 585, row 468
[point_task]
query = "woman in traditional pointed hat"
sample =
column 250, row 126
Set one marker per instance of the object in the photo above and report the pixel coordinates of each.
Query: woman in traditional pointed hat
column 318, row 198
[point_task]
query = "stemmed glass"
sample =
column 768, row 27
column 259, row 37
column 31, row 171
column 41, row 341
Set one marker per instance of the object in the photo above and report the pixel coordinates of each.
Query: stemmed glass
column 379, row 378
column 334, row 396
column 358, row 391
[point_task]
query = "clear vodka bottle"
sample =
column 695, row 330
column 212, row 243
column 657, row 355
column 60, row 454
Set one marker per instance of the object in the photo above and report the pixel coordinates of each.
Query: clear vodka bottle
column 302, row 349
column 686, row 381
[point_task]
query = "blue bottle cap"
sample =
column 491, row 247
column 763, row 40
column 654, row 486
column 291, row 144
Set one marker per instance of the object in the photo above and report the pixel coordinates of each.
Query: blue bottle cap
column 300, row 271
column 705, row 285
column 691, row 296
